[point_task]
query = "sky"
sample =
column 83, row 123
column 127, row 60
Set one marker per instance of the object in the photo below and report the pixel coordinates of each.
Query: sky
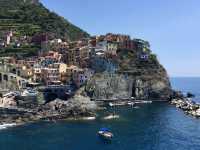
column 171, row 26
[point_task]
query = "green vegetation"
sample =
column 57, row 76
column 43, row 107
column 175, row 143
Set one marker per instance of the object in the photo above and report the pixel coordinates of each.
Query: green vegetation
column 30, row 18
column 153, row 57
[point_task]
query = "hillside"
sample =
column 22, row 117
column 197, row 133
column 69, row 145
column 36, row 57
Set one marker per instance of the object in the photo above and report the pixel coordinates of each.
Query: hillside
column 30, row 17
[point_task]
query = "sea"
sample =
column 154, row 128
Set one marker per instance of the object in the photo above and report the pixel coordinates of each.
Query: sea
column 156, row 126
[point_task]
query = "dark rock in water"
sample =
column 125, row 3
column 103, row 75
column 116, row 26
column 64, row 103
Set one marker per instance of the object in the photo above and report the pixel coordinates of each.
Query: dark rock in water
column 187, row 105
column 177, row 95
column 8, row 102
column 190, row 95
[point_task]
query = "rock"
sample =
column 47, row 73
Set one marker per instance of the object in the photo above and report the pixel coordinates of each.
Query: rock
column 187, row 105
column 177, row 94
column 116, row 86
column 81, row 105
column 108, row 86
column 7, row 102
column 78, row 106
column 57, row 104
column 190, row 95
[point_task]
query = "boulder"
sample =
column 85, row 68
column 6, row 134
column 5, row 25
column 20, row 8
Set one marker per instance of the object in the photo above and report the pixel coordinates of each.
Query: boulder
column 7, row 102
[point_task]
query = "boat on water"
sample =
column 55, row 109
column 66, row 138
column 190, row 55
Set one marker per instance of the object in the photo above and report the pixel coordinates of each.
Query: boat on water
column 105, row 133
column 88, row 118
column 29, row 94
column 111, row 104
column 130, row 103
column 112, row 116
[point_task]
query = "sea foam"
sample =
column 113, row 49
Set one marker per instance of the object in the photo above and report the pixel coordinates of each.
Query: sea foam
column 6, row 125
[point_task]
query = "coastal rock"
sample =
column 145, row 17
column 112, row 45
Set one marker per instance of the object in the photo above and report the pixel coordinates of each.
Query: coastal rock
column 81, row 105
column 7, row 102
column 108, row 86
column 116, row 86
column 57, row 104
column 187, row 105
column 133, row 77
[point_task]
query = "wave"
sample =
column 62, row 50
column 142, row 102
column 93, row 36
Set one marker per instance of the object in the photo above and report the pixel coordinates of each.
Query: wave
column 7, row 125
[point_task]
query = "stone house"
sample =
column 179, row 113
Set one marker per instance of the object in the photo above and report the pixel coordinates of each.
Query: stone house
column 50, row 76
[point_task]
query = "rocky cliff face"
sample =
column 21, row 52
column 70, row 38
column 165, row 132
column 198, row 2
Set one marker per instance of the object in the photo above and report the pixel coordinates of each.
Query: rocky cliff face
column 107, row 86
column 135, row 77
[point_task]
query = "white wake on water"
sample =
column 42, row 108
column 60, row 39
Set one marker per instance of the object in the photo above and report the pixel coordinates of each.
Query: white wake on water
column 6, row 125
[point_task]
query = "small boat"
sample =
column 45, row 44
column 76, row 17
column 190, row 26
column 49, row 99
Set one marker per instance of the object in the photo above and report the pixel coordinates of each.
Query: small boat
column 143, row 102
column 112, row 116
column 88, row 118
column 117, row 104
column 105, row 133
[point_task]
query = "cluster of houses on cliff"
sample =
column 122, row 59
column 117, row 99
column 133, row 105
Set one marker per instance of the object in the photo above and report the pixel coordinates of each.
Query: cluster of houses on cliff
column 66, row 63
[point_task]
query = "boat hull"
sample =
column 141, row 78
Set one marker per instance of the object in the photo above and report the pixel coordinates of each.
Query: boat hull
column 105, row 135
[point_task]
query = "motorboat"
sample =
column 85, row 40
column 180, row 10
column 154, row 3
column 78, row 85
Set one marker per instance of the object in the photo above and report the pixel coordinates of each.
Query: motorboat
column 143, row 102
column 105, row 133
column 88, row 118
column 112, row 116
column 117, row 104
column 130, row 103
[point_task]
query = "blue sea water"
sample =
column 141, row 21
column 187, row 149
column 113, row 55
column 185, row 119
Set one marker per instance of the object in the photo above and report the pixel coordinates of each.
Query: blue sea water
column 187, row 84
column 157, row 126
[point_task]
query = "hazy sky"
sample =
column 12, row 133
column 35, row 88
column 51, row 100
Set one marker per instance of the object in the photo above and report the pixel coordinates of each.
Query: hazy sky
column 171, row 26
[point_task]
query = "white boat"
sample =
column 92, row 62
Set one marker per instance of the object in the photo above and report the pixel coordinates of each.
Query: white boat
column 111, row 117
column 105, row 134
column 117, row 104
column 88, row 118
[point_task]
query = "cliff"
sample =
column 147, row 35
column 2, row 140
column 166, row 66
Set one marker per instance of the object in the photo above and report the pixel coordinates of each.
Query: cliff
column 135, row 76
